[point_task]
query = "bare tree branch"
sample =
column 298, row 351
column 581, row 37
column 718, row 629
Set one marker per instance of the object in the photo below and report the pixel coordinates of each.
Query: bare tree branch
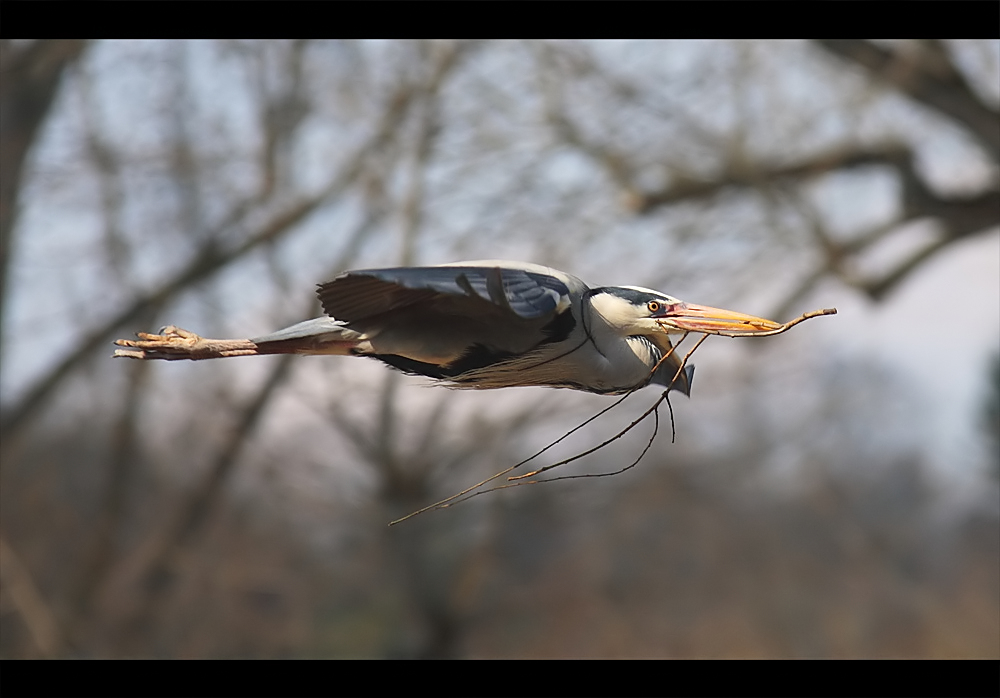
column 926, row 73
column 210, row 259
column 765, row 175
column 960, row 215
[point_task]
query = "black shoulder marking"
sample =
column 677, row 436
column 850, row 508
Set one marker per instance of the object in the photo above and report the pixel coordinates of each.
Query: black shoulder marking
column 560, row 328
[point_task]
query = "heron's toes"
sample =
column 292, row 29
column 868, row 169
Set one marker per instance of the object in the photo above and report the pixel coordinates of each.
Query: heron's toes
column 171, row 340
column 170, row 334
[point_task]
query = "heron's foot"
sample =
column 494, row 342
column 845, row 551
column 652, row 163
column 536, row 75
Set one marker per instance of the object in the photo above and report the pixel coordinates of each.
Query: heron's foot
column 173, row 343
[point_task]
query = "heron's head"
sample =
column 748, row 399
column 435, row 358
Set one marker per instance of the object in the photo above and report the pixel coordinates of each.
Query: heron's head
column 633, row 310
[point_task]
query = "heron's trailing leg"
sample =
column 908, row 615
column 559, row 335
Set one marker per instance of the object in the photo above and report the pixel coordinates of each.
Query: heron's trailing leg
column 322, row 335
column 174, row 343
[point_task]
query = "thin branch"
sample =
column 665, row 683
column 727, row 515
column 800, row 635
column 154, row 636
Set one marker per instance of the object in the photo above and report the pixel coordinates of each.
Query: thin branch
column 649, row 444
column 444, row 502
column 624, row 431
column 516, row 481
column 780, row 330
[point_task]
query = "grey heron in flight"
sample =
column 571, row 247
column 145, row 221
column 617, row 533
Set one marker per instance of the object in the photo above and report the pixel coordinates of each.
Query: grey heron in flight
column 486, row 324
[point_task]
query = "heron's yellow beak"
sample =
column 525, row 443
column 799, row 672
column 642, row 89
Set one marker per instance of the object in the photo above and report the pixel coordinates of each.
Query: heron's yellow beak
column 688, row 317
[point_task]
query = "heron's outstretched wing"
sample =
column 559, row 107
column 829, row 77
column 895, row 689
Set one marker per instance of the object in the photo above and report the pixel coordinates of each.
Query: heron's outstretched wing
column 439, row 314
column 528, row 294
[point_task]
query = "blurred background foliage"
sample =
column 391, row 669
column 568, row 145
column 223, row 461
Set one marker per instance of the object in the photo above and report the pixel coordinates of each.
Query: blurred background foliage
column 239, row 508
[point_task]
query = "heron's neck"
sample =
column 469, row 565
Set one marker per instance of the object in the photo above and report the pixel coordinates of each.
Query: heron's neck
column 621, row 360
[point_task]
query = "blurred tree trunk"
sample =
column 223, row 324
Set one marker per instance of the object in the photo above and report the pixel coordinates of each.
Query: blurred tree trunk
column 30, row 76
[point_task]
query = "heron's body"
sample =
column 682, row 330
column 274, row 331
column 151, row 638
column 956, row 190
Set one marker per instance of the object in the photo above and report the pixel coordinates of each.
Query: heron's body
column 485, row 324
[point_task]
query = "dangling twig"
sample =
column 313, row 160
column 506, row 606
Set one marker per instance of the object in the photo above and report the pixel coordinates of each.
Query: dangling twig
column 461, row 496
column 624, row 431
column 517, row 482
column 447, row 501
column 649, row 444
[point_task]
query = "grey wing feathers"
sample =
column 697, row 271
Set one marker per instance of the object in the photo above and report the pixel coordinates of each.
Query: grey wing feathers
column 356, row 295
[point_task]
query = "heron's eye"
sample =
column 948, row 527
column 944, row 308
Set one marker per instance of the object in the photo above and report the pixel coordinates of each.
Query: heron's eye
column 654, row 306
